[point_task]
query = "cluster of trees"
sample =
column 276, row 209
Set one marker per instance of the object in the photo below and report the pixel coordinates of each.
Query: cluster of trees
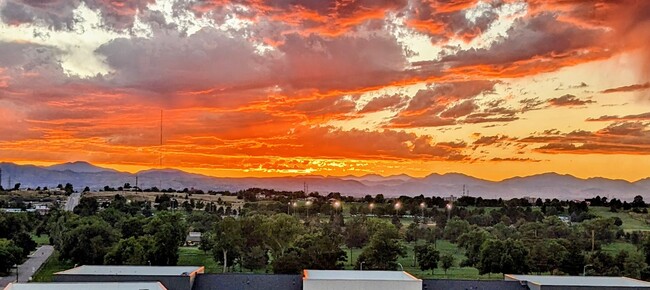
column 117, row 235
column 15, row 239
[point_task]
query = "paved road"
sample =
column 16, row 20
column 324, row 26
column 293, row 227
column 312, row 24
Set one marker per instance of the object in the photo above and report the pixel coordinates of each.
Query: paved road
column 29, row 268
column 73, row 201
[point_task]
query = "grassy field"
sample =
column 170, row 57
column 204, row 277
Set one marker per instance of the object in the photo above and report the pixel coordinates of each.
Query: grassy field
column 41, row 240
column 192, row 256
column 50, row 267
column 631, row 221
column 616, row 247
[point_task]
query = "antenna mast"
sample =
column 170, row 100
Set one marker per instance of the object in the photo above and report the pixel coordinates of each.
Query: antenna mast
column 160, row 149
column 161, row 137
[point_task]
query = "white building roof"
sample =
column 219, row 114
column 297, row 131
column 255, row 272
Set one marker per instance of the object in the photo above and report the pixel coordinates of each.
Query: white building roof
column 133, row 270
column 589, row 281
column 358, row 275
column 88, row 286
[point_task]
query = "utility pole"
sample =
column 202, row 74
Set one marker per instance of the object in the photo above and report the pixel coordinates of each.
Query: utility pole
column 593, row 241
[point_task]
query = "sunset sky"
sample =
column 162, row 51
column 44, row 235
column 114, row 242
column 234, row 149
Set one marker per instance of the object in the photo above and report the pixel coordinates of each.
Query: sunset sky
column 492, row 89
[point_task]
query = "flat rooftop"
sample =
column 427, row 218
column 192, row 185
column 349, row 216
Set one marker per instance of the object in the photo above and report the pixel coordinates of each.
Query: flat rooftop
column 87, row 286
column 592, row 281
column 133, row 270
column 358, row 275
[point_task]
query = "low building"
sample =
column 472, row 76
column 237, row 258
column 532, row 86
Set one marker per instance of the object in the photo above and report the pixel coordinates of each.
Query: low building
column 235, row 281
column 447, row 284
column 359, row 280
column 172, row 277
column 87, row 286
column 578, row 282
column 193, row 239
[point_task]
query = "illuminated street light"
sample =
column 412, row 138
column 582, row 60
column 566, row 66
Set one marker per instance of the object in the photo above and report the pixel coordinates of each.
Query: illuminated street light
column 397, row 207
column 449, row 206
column 371, row 206
column 308, row 205
column 336, row 205
column 422, row 206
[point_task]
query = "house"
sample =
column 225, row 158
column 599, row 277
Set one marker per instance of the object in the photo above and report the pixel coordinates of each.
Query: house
column 359, row 280
column 193, row 239
column 578, row 282
column 172, row 277
column 86, row 286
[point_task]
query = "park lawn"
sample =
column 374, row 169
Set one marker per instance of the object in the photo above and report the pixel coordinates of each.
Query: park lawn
column 445, row 247
column 41, row 240
column 51, row 266
column 631, row 221
column 616, row 247
column 192, row 256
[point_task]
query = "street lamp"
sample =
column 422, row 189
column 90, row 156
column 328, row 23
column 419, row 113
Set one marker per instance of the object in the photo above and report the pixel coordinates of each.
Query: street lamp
column 288, row 207
column 584, row 269
column 402, row 267
column 336, row 206
column 422, row 206
column 16, row 266
column 308, row 205
column 449, row 207
column 371, row 206
column 397, row 207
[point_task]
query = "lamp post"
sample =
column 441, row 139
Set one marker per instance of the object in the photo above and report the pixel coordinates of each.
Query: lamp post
column 371, row 206
column 449, row 207
column 308, row 205
column 401, row 267
column 336, row 206
column 422, row 206
column 397, row 207
column 16, row 266
column 294, row 205
column 584, row 269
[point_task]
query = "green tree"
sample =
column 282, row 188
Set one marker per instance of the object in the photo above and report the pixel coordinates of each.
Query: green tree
column 574, row 260
column 289, row 263
column 546, row 256
column 282, row 230
column 356, row 235
column 227, row 237
column 321, row 250
column 455, row 228
column 446, row 262
column 24, row 241
column 69, row 189
column 10, row 254
column 428, row 258
column 131, row 251
column 471, row 242
column 255, row 258
column 383, row 250
column 168, row 231
column 87, row 206
column 87, row 240
column 498, row 256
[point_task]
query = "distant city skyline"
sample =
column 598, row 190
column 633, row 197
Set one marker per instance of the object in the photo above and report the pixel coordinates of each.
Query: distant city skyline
column 491, row 89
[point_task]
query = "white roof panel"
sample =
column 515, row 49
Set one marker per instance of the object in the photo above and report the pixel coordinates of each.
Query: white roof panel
column 593, row 281
column 88, row 286
column 358, row 275
column 133, row 270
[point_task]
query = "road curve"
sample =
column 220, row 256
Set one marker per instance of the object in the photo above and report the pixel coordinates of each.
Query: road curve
column 29, row 268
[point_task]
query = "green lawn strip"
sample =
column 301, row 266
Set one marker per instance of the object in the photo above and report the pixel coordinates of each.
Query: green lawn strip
column 41, row 240
column 51, row 266
column 631, row 221
column 445, row 247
